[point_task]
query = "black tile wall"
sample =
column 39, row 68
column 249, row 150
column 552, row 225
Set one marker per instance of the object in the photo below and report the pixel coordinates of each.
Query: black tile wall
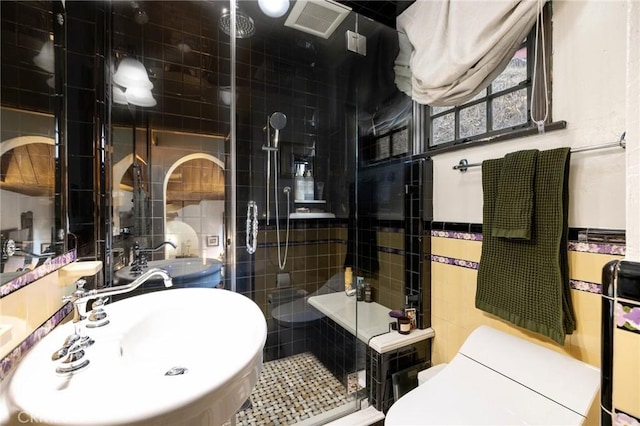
column 381, row 367
column 84, row 97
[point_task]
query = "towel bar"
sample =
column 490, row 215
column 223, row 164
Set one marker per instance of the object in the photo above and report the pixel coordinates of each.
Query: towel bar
column 463, row 165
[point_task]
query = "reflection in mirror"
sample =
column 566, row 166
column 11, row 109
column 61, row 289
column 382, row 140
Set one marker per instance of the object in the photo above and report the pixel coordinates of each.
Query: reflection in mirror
column 188, row 175
column 27, row 144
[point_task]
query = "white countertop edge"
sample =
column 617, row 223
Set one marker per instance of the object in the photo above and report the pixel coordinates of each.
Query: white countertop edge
column 394, row 340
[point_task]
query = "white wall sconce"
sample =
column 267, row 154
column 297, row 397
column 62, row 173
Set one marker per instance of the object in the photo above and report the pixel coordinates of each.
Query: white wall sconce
column 134, row 84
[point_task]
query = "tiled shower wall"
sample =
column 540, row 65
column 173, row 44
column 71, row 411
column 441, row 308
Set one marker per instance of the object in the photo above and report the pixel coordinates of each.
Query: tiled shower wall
column 317, row 250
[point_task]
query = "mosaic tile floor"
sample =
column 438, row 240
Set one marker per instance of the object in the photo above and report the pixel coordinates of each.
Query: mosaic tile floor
column 293, row 389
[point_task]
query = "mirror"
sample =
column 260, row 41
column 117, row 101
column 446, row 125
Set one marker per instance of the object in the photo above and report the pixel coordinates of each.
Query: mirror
column 28, row 150
column 168, row 159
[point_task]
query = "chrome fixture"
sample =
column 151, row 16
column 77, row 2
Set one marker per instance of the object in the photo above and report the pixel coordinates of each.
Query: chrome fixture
column 80, row 297
column 139, row 15
column 277, row 121
column 140, row 255
column 70, row 357
column 252, row 227
column 463, row 164
column 245, row 27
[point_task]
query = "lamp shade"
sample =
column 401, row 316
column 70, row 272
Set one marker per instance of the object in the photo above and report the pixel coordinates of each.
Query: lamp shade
column 131, row 73
column 274, row 8
column 118, row 96
column 44, row 58
column 140, row 97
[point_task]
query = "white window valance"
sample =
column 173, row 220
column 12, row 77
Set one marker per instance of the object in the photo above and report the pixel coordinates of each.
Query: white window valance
column 452, row 49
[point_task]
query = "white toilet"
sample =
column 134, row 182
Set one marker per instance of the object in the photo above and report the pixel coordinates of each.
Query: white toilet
column 500, row 379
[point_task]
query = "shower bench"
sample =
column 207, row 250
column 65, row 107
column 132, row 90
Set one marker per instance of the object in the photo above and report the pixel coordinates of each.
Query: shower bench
column 388, row 351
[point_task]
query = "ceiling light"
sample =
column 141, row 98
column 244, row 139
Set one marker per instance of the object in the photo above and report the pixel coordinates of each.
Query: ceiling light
column 274, row 8
column 131, row 73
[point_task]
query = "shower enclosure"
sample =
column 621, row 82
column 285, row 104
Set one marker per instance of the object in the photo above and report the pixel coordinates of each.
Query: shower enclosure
column 275, row 95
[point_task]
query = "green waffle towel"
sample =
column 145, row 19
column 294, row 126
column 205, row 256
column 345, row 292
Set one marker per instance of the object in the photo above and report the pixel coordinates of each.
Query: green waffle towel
column 514, row 202
column 526, row 282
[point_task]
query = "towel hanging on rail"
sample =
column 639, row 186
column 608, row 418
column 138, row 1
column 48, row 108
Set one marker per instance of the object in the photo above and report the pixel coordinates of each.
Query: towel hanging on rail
column 526, row 282
column 514, row 201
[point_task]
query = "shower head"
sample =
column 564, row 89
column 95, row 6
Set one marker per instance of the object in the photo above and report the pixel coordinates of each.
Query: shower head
column 139, row 15
column 277, row 120
column 244, row 23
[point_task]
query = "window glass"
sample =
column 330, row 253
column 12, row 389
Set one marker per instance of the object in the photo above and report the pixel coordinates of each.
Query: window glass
column 502, row 106
column 514, row 74
column 438, row 110
column 473, row 120
column 510, row 110
column 443, row 129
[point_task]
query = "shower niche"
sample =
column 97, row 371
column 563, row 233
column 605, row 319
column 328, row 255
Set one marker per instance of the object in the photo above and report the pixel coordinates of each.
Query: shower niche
column 298, row 163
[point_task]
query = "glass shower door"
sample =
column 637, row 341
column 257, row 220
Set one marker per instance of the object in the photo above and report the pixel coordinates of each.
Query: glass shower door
column 294, row 149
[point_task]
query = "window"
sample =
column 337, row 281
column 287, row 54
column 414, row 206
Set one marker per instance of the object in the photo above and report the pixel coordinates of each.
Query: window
column 500, row 109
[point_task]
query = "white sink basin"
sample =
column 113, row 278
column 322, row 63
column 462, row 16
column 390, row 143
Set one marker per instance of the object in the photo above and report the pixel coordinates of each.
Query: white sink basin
column 217, row 335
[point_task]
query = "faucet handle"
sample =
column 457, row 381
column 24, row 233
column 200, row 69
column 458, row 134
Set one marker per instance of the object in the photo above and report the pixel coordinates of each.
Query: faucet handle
column 97, row 316
column 79, row 291
column 70, row 357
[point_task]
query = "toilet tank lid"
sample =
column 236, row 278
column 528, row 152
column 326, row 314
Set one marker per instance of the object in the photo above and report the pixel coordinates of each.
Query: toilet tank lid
column 559, row 377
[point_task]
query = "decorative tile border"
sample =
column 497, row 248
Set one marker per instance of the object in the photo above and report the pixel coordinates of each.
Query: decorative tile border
column 599, row 248
column 587, row 286
column 575, row 284
column 11, row 360
column 623, row 419
column 39, row 272
column 627, row 317
column 470, row 236
column 455, row 262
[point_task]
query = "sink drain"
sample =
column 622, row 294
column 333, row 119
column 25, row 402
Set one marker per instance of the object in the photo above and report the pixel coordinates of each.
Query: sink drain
column 176, row 371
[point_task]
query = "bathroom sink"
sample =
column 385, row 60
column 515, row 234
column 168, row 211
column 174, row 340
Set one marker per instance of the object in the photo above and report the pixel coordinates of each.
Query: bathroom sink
column 186, row 272
column 176, row 356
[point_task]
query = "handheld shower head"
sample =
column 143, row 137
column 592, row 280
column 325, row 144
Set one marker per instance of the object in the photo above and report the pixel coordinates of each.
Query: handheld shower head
column 277, row 120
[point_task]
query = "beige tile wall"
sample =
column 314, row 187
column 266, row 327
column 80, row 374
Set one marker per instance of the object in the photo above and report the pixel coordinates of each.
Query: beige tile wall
column 28, row 308
column 388, row 286
column 454, row 315
column 314, row 255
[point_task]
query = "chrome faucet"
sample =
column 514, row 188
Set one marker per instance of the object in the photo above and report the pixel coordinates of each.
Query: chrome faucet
column 140, row 255
column 70, row 357
column 80, row 300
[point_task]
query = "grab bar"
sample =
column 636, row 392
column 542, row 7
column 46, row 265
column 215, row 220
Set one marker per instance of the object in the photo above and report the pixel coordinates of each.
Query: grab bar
column 252, row 227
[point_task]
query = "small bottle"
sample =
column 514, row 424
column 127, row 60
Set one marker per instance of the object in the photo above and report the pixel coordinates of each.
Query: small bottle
column 309, row 185
column 299, row 187
column 348, row 278
column 368, row 293
column 360, row 289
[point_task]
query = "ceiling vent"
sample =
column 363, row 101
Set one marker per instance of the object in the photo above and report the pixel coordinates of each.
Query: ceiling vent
column 317, row 17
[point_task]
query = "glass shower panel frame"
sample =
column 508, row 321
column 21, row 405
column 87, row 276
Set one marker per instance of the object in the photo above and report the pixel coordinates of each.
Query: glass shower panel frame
column 280, row 69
